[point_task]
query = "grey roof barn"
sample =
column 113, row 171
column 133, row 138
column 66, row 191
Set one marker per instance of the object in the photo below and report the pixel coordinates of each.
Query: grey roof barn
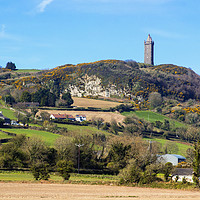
column 172, row 158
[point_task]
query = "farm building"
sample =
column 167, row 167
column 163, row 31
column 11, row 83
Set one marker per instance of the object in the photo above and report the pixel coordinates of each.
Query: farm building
column 27, row 104
column 172, row 158
column 62, row 116
column 181, row 173
column 80, row 118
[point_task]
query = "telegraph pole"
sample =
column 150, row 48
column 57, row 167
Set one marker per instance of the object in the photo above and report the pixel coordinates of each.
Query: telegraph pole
column 79, row 154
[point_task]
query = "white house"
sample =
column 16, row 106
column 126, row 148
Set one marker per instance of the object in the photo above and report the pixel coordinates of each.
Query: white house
column 80, row 118
column 181, row 173
column 172, row 158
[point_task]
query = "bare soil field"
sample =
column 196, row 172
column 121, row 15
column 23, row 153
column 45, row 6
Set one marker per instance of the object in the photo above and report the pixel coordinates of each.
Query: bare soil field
column 107, row 116
column 31, row 191
column 85, row 102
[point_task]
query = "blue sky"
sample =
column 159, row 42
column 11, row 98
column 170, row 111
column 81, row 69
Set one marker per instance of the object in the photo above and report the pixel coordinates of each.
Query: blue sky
column 43, row 34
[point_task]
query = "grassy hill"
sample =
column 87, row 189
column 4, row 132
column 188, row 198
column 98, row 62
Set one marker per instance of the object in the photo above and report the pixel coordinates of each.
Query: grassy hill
column 48, row 137
column 128, row 78
column 8, row 113
column 182, row 148
column 151, row 116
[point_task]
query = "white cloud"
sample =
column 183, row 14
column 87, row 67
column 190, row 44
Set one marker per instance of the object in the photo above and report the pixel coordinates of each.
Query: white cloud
column 41, row 7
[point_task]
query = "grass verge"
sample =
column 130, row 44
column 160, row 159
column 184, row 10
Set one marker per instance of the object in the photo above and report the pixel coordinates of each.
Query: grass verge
column 15, row 176
column 90, row 179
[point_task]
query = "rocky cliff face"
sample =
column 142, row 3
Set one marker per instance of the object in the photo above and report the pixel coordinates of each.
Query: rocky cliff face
column 92, row 86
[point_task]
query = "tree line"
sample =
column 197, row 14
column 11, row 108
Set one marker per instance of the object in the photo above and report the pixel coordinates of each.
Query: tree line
column 42, row 96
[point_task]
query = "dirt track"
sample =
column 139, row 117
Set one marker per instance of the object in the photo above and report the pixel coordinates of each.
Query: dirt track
column 16, row 191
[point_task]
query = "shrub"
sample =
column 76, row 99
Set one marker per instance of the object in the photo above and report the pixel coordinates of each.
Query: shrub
column 40, row 171
column 131, row 173
column 167, row 170
column 64, row 168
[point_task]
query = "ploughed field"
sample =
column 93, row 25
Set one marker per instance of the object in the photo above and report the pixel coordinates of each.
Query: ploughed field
column 34, row 191
column 85, row 102
column 90, row 115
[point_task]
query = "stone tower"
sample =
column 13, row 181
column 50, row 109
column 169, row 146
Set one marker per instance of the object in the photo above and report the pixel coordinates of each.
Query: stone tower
column 148, row 51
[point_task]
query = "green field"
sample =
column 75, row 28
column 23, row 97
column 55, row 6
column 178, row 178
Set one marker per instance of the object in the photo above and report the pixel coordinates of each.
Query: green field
column 4, row 136
column 28, row 70
column 88, row 130
column 152, row 117
column 8, row 113
column 48, row 137
column 22, row 176
column 14, row 176
column 181, row 147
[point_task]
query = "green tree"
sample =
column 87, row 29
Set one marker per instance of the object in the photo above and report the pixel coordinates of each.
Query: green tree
column 24, row 119
column 25, row 97
column 1, row 122
column 131, row 173
column 155, row 99
column 9, row 99
column 196, row 164
column 40, row 171
column 68, row 99
column 66, row 149
column 12, row 154
column 190, row 155
column 166, row 125
column 114, row 127
column 118, row 156
column 132, row 129
column 45, row 116
column 34, row 111
column 11, row 66
column 99, row 122
column 37, row 151
column 44, row 97
column 64, row 168
column 167, row 170
column 88, row 155
column 150, row 173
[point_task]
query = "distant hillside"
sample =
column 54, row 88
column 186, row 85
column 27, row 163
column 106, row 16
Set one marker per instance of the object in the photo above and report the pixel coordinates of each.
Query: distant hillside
column 115, row 78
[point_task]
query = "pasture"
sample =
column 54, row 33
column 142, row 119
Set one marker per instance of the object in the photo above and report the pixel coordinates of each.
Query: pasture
column 48, row 137
column 28, row 70
column 82, row 130
column 182, row 148
column 20, row 176
column 4, row 136
column 152, row 117
column 8, row 113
